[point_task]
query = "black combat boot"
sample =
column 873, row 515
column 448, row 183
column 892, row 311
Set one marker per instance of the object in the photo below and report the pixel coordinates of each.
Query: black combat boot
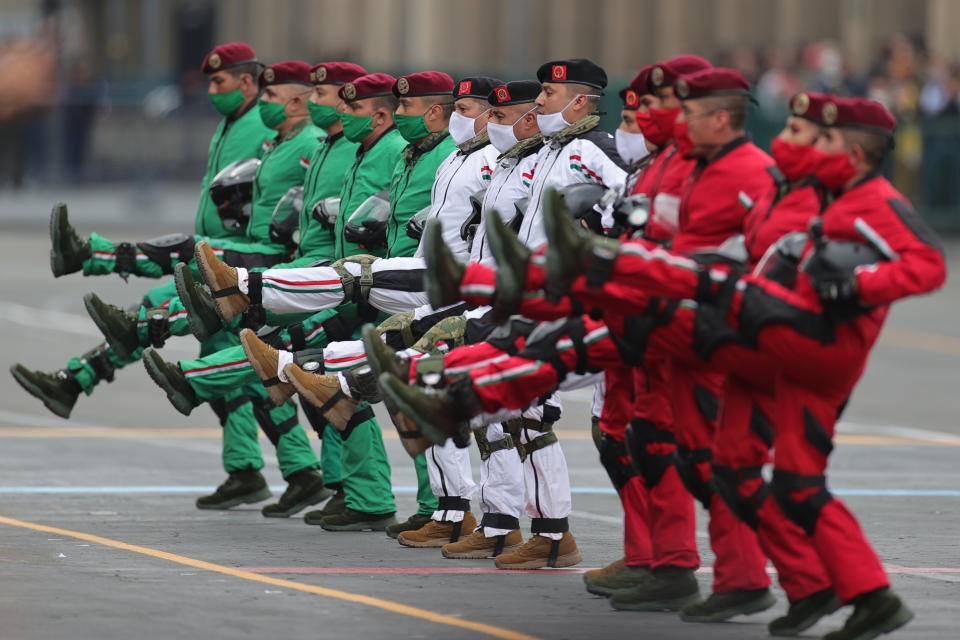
column 58, row 390
column 171, row 379
column 441, row 280
column 412, row 523
column 336, row 504
column 240, row 487
column 202, row 313
column 304, row 488
column 68, row 250
column 804, row 613
column 723, row 606
column 118, row 327
column 879, row 611
column 512, row 259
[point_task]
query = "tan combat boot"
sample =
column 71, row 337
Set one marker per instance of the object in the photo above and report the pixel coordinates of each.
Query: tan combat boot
column 541, row 551
column 437, row 534
column 477, row 545
column 222, row 280
column 318, row 390
column 263, row 358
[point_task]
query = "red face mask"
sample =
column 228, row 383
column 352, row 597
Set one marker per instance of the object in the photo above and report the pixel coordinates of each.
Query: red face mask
column 795, row 160
column 657, row 126
column 834, row 170
column 682, row 139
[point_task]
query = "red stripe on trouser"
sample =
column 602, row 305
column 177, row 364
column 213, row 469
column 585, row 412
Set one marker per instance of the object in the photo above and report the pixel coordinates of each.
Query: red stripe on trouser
column 739, row 563
column 850, row 561
column 737, row 446
column 637, row 543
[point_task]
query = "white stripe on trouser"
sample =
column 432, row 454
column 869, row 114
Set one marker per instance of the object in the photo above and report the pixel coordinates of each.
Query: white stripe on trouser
column 450, row 476
column 501, row 481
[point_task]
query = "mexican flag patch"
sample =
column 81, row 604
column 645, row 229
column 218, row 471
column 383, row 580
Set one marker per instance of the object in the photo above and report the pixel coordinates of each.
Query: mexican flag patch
column 745, row 200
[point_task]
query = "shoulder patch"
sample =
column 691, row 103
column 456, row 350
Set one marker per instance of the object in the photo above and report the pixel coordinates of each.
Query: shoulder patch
column 607, row 145
column 915, row 223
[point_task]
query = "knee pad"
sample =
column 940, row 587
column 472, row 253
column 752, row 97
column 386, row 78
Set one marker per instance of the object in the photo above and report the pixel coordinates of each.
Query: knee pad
column 805, row 511
column 725, row 482
column 650, row 466
column 614, row 458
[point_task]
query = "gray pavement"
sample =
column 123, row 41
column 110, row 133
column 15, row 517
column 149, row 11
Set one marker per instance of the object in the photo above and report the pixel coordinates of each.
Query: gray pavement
column 896, row 466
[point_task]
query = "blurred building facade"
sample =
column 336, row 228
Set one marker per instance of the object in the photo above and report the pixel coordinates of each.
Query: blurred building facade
column 116, row 91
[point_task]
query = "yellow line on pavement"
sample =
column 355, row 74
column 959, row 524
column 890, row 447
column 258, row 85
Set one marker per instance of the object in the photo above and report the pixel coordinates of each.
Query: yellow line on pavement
column 379, row 603
column 934, row 342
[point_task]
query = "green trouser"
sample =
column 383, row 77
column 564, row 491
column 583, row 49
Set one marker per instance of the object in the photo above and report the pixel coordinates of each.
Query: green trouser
column 366, row 470
column 427, row 502
column 103, row 256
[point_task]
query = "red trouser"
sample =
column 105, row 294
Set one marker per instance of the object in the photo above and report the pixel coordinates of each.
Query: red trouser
column 815, row 364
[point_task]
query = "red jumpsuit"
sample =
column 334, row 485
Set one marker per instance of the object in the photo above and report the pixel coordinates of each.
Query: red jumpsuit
column 785, row 335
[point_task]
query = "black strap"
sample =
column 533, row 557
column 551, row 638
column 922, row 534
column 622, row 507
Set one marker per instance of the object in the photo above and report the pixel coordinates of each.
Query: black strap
column 356, row 420
column 332, row 401
column 255, row 315
column 223, row 293
column 232, row 405
column 452, row 503
column 101, row 364
column 298, row 338
column 554, row 552
column 500, row 521
column 549, row 525
column 126, row 259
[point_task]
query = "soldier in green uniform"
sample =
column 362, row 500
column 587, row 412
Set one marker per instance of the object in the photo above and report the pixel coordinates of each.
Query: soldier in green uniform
column 285, row 85
column 367, row 500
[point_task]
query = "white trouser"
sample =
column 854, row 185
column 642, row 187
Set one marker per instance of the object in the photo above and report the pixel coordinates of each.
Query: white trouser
column 450, row 477
column 312, row 289
column 501, row 481
column 337, row 356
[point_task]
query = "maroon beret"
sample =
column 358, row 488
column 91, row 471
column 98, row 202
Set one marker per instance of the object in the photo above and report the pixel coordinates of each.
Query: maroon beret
column 336, row 72
column 289, row 72
column 666, row 74
column 369, row 86
column 426, row 83
column 712, row 82
column 859, row 113
column 640, row 85
column 810, row 105
column 228, row 55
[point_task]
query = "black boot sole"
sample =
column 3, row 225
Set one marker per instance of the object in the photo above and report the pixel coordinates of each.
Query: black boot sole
column 316, row 498
column 812, row 619
column 753, row 606
column 249, row 498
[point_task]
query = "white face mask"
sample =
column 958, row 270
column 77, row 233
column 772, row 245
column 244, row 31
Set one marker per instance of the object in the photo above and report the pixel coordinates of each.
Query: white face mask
column 632, row 147
column 461, row 127
column 553, row 123
column 502, row 136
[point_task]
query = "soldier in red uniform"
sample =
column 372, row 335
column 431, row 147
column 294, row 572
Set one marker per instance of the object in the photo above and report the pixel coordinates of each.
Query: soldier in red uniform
column 811, row 334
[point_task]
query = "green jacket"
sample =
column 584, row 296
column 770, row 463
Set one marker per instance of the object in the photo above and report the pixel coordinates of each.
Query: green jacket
column 329, row 167
column 370, row 174
column 411, row 186
column 284, row 166
column 235, row 139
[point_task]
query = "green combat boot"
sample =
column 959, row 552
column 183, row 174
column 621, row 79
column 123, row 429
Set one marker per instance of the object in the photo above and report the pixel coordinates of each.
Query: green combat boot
column 624, row 578
column 879, row 611
column 804, row 613
column 723, row 606
column 442, row 278
column 567, row 249
column 240, row 487
column 414, row 522
column 68, row 250
column 336, row 505
column 170, row 378
column 350, row 520
column 439, row 413
column 304, row 488
column 118, row 327
column 58, row 390
column 201, row 311
column 670, row 589
column 512, row 258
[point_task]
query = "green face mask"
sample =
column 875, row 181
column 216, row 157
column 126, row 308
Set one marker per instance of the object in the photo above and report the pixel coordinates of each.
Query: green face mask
column 226, row 103
column 322, row 115
column 412, row 128
column 356, row 128
column 272, row 113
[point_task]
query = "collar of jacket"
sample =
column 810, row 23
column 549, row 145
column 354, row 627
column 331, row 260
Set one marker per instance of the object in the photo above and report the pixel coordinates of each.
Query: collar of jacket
column 474, row 143
column 523, row 148
column 294, row 130
column 581, row 126
column 415, row 149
